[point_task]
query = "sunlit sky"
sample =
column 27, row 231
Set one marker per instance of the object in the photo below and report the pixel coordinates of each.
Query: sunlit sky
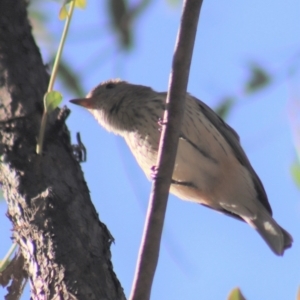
column 204, row 254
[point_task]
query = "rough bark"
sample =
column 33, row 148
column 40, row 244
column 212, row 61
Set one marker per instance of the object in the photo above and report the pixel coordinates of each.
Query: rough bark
column 66, row 248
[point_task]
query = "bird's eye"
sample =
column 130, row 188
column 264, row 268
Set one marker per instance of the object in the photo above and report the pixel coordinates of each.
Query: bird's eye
column 110, row 85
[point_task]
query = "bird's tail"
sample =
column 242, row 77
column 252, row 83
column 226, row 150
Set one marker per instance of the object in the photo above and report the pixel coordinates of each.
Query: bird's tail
column 275, row 236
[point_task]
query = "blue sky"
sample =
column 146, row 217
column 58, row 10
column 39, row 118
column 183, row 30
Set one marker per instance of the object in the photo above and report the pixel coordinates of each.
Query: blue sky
column 204, row 254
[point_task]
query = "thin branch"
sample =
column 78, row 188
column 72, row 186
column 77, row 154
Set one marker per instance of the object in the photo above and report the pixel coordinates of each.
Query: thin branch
column 39, row 146
column 150, row 245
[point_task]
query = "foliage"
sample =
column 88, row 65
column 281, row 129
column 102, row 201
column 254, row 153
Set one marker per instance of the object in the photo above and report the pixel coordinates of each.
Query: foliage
column 236, row 294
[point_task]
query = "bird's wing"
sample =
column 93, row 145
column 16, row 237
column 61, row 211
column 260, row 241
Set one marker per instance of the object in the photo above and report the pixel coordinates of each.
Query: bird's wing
column 234, row 141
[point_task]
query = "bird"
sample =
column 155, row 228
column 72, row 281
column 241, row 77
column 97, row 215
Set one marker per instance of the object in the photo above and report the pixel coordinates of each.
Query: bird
column 211, row 167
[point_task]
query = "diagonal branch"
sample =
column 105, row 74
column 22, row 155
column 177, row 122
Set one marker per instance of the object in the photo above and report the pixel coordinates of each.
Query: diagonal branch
column 150, row 245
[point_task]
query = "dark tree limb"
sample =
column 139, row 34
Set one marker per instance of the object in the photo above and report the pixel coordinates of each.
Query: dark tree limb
column 173, row 116
column 66, row 249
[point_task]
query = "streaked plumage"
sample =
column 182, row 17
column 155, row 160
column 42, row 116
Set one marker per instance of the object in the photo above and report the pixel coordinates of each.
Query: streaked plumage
column 211, row 167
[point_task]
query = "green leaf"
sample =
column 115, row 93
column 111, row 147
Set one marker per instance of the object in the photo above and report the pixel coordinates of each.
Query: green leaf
column 236, row 294
column 224, row 107
column 80, row 3
column 52, row 100
column 259, row 78
column 295, row 171
column 63, row 13
column 121, row 21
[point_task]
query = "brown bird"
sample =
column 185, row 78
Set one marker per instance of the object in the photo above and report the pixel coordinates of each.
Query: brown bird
column 211, row 167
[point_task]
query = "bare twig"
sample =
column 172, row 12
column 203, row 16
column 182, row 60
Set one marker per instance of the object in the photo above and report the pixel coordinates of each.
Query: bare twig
column 150, row 245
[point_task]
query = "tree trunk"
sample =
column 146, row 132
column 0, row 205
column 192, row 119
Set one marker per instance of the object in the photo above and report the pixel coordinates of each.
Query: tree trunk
column 66, row 248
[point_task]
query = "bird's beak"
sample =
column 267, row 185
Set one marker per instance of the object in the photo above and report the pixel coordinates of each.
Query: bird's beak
column 89, row 103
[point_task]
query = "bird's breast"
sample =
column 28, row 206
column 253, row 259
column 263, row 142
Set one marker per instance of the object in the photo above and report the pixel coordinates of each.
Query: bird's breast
column 144, row 147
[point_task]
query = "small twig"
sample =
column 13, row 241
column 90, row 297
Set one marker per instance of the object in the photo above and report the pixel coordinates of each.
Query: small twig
column 39, row 146
column 5, row 260
column 150, row 244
